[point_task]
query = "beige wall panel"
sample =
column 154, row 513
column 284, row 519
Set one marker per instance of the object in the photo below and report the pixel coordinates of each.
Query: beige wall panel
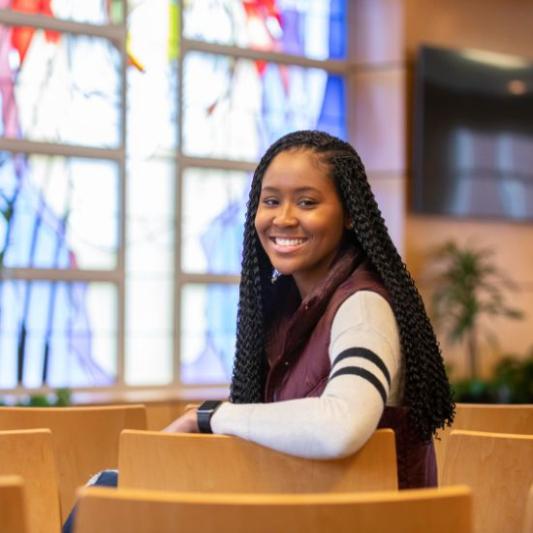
column 389, row 191
column 378, row 111
column 376, row 31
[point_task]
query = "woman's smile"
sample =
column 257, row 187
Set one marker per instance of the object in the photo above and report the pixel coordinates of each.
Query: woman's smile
column 286, row 245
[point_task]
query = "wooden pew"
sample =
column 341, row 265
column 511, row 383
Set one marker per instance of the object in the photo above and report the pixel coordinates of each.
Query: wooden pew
column 85, row 438
column 499, row 469
column 488, row 418
column 528, row 519
column 29, row 454
column 216, row 463
column 13, row 511
column 410, row 511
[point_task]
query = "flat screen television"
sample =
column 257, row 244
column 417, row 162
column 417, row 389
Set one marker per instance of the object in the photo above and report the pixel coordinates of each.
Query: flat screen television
column 473, row 134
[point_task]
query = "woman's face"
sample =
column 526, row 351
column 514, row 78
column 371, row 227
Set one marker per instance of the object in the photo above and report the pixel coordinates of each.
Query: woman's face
column 300, row 219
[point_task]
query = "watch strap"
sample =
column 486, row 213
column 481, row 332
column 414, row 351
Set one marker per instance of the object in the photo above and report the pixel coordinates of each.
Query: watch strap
column 204, row 413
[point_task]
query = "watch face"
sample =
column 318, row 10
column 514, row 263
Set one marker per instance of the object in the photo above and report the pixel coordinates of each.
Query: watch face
column 208, row 406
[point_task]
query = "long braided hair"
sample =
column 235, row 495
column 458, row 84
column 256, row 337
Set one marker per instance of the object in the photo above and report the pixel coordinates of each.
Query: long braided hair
column 427, row 391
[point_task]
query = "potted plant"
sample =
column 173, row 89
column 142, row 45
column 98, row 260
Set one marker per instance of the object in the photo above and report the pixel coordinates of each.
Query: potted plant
column 466, row 286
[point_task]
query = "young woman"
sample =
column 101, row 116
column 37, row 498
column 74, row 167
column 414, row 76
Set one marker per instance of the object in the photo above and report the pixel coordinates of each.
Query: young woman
column 333, row 339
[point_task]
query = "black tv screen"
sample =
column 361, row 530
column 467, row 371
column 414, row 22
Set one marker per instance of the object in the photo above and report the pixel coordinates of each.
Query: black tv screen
column 473, row 134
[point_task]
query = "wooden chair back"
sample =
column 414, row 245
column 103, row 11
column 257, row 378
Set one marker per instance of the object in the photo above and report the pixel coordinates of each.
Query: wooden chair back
column 528, row 520
column 13, row 511
column 487, row 418
column 216, row 463
column 410, row 511
column 85, row 438
column 29, row 454
column 499, row 469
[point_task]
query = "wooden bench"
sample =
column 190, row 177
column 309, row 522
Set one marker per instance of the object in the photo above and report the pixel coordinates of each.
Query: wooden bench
column 410, row 511
column 85, row 438
column 216, row 463
column 29, row 454
column 489, row 418
column 499, row 469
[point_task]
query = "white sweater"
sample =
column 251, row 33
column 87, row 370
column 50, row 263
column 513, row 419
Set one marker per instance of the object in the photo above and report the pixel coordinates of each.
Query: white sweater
column 364, row 334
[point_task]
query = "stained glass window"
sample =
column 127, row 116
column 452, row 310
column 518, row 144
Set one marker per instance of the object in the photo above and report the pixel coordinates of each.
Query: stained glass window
column 57, row 333
column 208, row 333
column 315, row 29
column 58, row 87
column 103, row 202
column 212, row 220
column 58, row 212
column 235, row 108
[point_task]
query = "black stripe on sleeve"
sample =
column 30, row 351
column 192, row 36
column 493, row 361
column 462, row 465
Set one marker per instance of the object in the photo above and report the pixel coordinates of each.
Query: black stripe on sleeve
column 365, row 374
column 364, row 353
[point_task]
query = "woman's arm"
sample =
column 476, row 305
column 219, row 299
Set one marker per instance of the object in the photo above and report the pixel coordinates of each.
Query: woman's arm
column 365, row 357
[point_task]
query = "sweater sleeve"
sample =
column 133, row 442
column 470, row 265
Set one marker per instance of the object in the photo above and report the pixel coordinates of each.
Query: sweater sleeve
column 365, row 366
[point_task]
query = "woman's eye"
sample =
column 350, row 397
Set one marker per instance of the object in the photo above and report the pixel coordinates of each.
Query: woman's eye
column 270, row 201
column 307, row 202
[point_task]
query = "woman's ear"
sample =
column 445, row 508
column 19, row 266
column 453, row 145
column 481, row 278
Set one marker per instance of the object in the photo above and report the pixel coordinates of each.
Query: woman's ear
column 348, row 222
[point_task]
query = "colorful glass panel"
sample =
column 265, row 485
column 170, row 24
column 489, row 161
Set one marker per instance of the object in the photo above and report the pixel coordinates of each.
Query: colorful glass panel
column 58, row 212
column 88, row 11
column 59, row 88
column 235, row 108
column 315, row 29
column 213, row 209
column 57, row 333
column 209, row 315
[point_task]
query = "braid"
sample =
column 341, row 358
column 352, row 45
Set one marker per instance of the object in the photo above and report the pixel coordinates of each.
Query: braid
column 427, row 391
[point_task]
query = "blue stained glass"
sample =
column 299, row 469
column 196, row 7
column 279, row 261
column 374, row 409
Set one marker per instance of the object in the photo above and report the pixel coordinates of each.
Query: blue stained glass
column 57, row 334
column 237, row 108
column 337, row 27
column 208, row 333
column 47, row 212
column 213, row 209
column 333, row 108
column 315, row 29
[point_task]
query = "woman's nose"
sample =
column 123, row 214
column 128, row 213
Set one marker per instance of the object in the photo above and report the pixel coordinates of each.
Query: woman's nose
column 285, row 216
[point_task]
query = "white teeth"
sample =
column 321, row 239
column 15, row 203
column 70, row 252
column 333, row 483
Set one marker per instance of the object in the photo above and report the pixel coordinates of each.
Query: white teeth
column 288, row 242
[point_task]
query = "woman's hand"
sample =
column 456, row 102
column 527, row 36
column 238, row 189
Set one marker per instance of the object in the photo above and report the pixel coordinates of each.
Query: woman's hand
column 186, row 423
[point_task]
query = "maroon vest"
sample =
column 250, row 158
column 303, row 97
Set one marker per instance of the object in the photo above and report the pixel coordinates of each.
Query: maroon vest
column 298, row 355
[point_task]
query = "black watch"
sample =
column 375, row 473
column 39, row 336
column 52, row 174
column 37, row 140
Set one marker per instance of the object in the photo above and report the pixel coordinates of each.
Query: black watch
column 204, row 414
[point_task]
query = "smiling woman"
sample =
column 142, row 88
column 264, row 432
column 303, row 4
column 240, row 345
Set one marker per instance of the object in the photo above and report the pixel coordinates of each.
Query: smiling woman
column 340, row 343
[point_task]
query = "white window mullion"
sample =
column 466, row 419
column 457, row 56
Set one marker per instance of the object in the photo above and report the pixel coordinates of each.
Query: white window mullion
column 122, row 229
column 56, row 149
column 223, row 164
column 176, row 361
column 56, row 274
column 331, row 65
column 115, row 33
